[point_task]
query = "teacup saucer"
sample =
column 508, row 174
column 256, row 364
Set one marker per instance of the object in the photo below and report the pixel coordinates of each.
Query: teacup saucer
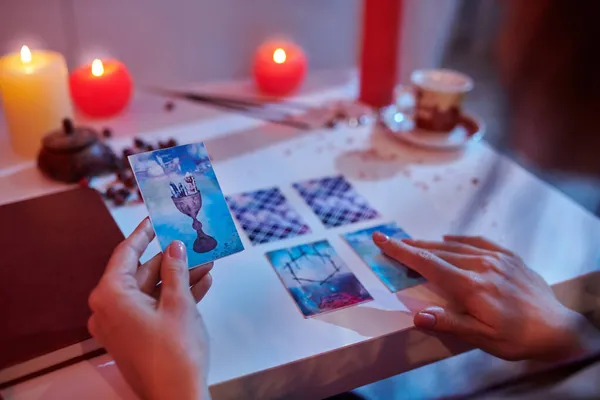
column 401, row 126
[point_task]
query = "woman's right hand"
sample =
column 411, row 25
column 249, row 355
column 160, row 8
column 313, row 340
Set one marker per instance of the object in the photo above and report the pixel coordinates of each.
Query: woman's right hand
column 507, row 309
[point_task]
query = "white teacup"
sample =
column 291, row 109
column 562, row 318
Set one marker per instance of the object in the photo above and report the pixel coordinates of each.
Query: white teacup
column 438, row 97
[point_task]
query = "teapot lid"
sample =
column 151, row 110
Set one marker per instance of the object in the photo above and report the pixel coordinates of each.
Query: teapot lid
column 69, row 138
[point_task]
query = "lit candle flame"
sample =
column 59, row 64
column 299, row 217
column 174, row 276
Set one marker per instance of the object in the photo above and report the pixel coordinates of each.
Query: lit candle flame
column 279, row 56
column 25, row 55
column 97, row 68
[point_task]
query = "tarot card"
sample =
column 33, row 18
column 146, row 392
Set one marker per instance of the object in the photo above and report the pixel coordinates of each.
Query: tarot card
column 394, row 275
column 335, row 201
column 185, row 202
column 266, row 216
column 317, row 278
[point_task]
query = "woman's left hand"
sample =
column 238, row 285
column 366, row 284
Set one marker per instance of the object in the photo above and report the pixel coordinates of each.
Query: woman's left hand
column 506, row 308
column 154, row 332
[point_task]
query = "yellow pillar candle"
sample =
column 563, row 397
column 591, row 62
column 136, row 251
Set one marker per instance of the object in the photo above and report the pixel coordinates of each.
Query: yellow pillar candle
column 34, row 88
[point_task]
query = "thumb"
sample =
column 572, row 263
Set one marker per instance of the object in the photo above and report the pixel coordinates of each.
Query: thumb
column 444, row 320
column 174, row 268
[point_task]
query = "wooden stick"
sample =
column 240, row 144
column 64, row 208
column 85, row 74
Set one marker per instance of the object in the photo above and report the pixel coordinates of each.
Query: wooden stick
column 249, row 111
column 250, row 102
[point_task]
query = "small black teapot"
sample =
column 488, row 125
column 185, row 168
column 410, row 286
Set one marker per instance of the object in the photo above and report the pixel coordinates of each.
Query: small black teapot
column 72, row 153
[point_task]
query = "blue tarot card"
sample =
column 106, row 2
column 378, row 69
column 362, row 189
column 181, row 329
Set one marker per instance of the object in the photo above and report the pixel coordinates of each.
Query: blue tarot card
column 266, row 216
column 335, row 201
column 317, row 278
column 185, row 202
column 394, row 275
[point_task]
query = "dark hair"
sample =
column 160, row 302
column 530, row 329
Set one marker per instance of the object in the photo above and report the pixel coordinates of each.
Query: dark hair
column 551, row 69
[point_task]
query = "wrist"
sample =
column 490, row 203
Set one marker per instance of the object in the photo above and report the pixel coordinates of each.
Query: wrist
column 576, row 337
column 192, row 387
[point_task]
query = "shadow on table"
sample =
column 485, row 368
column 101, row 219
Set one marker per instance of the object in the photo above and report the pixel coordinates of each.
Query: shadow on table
column 366, row 321
column 388, row 157
column 435, row 296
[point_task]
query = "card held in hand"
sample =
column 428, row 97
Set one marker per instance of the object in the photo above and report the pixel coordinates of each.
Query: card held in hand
column 266, row 216
column 317, row 278
column 394, row 275
column 185, row 202
column 335, row 201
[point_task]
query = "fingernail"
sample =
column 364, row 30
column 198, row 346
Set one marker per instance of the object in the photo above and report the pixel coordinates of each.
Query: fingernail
column 177, row 250
column 425, row 320
column 380, row 238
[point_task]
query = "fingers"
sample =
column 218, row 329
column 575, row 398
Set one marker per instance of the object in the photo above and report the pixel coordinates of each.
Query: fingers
column 200, row 272
column 201, row 281
column 462, row 261
column 479, row 242
column 443, row 320
column 92, row 326
column 454, row 247
column 459, row 255
column 196, row 275
column 148, row 274
column 174, row 274
column 200, row 289
column 424, row 262
column 125, row 257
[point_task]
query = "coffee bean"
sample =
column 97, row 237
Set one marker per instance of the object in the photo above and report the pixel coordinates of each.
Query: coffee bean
column 123, row 175
column 110, row 192
column 107, row 133
column 129, row 182
column 331, row 123
column 139, row 143
column 124, row 192
column 169, row 106
column 119, row 200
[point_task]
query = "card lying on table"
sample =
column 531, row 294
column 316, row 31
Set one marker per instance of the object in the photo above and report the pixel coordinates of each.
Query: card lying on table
column 266, row 216
column 394, row 275
column 185, row 202
column 335, row 201
column 317, row 278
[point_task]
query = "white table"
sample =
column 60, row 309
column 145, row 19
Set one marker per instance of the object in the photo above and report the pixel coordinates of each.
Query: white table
column 261, row 346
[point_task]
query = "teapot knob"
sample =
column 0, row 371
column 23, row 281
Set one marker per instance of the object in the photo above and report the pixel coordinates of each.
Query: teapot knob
column 68, row 126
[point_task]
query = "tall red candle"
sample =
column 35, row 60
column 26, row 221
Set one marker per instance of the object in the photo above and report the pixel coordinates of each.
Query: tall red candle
column 279, row 67
column 101, row 89
column 380, row 38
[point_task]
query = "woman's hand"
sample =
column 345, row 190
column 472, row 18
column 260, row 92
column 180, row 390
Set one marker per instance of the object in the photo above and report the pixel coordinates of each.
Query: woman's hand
column 154, row 332
column 506, row 309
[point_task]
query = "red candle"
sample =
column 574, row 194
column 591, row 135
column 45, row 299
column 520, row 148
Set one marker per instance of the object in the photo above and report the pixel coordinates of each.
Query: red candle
column 380, row 38
column 279, row 67
column 101, row 89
